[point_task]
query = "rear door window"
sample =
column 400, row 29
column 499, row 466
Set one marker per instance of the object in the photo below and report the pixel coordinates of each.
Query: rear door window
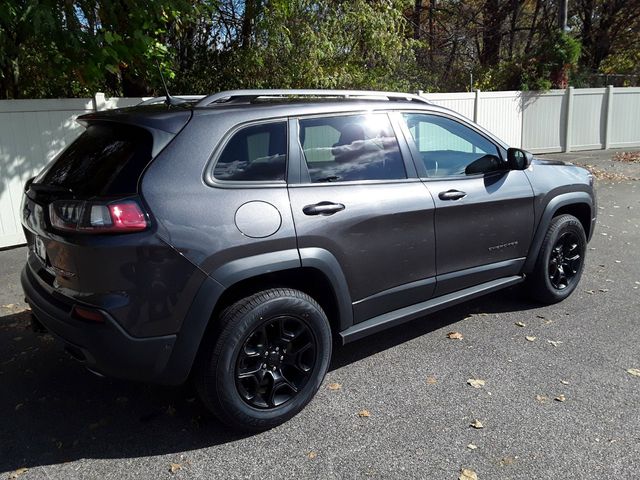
column 351, row 147
column 257, row 153
column 107, row 159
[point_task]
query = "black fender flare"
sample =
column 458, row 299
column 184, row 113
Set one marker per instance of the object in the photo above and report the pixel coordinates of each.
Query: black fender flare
column 564, row 199
column 213, row 287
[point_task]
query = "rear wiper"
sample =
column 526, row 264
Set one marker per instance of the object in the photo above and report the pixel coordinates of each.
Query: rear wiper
column 41, row 187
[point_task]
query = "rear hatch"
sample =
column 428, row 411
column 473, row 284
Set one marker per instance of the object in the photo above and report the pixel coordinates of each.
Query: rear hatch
column 82, row 215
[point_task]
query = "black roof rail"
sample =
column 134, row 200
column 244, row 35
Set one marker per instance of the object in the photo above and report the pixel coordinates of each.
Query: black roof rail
column 249, row 95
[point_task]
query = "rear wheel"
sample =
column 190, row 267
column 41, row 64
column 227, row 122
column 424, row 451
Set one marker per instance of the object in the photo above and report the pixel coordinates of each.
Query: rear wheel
column 267, row 361
column 560, row 261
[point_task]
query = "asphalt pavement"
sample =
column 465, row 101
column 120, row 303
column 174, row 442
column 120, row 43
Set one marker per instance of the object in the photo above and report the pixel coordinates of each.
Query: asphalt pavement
column 557, row 400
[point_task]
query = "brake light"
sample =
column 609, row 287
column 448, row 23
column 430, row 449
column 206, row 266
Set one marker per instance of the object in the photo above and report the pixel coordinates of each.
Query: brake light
column 87, row 314
column 81, row 216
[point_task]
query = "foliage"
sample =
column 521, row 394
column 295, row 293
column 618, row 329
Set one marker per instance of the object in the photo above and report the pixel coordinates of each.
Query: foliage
column 51, row 48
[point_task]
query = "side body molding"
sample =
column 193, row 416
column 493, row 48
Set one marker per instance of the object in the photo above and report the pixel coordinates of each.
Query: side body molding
column 570, row 198
column 324, row 261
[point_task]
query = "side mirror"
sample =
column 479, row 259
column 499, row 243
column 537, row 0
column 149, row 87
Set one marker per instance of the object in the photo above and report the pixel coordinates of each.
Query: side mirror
column 518, row 159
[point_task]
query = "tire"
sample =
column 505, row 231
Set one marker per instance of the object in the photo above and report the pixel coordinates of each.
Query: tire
column 266, row 360
column 560, row 261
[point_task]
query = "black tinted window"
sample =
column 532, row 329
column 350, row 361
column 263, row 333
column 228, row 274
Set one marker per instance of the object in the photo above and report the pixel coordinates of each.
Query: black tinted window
column 449, row 148
column 357, row 147
column 105, row 160
column 256, row 153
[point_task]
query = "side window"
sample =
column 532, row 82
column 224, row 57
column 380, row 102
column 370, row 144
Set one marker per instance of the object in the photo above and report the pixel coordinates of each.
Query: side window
column 353, row 147
column 450, row 148
column 254, row 154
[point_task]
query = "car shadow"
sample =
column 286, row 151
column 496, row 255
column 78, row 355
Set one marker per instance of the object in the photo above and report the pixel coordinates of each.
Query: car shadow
column 54, row 411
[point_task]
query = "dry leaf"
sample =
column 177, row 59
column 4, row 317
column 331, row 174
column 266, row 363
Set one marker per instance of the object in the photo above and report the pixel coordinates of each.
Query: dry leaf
column 471, row 446
column 477, row 424
column 521, row 324
column 9, row 305
column 530, row 339
column 312, row 455
column 603, row 290
column 555, row 343
column 454, row 335
column 467, row 474
column 564, row 382
column 364, row 414
column 476, row 382
column 590, row 292
column 560, row 398
column 16, row 473
column 541, row 398
column 335, row 386
column 634, row 371
column 174, row 467
column 508, row 460
column 431, row 380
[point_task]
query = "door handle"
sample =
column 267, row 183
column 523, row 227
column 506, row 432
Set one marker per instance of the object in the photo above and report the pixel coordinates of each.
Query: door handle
column 323, row 208
column 452, row 195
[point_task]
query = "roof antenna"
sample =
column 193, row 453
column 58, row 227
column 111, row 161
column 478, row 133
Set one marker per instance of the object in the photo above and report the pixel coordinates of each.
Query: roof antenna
column 170, row 100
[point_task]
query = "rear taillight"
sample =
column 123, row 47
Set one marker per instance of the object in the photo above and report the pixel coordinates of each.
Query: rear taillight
column 97, row 217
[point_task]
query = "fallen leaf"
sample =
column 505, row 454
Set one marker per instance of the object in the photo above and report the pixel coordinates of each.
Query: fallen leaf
column 17, row 473
column 560, row 398
column 507, row 461
column 555, row 343
column 335, row 386
column 471, row 446
column 476, row 424
column 19, row 406
column 564, row 382
column 364, row 414
column 530, row 339
column 603, row 290
column 454, row 335
column 590, row 292
column 634, row 371
column 540, row 316
column 174, row 467
column 467, row 474
column 431, row 380
column 312, row 455
column 521, row 324
column 541, row 398
column 9, row 305
column 476, row 382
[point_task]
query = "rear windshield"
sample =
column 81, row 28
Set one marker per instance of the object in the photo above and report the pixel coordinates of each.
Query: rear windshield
column 106, row 159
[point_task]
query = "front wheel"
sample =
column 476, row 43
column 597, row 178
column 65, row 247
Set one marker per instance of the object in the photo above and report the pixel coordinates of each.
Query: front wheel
column 560, row 261
column 267, row 361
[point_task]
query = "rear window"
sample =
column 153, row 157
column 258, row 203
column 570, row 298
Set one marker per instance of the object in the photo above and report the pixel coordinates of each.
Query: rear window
column 106, row 159
column 257, row 153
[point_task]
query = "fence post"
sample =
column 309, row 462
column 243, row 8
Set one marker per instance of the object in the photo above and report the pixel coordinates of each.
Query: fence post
column 99, row 101
column 569, row 119
column 607, row 117
column 476, row 106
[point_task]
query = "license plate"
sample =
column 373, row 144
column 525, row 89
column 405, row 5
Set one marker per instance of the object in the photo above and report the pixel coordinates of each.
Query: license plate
column 40, row 249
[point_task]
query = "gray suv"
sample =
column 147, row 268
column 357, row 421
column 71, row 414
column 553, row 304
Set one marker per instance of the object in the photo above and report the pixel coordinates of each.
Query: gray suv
column 231, row 239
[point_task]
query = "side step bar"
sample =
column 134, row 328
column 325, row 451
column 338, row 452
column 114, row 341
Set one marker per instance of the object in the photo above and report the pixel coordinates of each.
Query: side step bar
column 406, row 314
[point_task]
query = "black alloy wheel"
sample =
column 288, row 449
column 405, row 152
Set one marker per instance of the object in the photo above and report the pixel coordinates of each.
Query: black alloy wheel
column 275, row 362
column 265, row 359
column 565, row 260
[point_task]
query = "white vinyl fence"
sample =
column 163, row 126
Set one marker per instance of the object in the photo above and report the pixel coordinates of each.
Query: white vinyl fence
column 32, row 132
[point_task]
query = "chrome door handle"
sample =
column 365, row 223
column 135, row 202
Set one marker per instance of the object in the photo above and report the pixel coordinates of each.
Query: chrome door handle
column 452, row 195
column 323, row 208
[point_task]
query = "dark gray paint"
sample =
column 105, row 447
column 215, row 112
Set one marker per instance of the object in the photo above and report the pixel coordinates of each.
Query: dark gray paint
column 395, row 252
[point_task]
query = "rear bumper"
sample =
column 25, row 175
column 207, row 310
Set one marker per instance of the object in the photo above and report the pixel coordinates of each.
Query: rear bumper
column 104, row 347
